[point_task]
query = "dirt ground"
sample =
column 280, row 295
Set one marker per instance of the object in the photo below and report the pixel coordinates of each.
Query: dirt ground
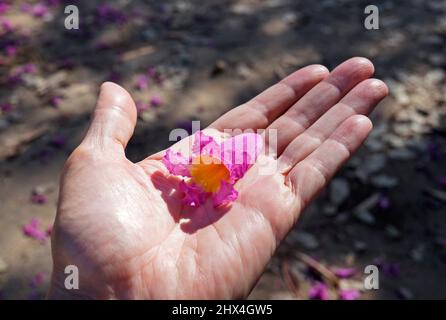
column 201, row 58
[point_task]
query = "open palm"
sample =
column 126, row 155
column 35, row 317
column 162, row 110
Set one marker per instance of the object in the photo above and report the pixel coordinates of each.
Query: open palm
column 123, row 225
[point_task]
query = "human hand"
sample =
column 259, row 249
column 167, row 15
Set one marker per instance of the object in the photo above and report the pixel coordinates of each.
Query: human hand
column 121, row 222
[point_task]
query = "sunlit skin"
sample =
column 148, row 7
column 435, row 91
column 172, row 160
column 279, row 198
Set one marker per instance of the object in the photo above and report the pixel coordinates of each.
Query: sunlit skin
column 122, row 223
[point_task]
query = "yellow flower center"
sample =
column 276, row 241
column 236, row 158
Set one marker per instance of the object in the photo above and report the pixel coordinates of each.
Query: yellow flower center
column 208, row 173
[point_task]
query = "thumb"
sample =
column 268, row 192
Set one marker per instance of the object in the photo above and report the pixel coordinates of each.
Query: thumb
column 114, row 119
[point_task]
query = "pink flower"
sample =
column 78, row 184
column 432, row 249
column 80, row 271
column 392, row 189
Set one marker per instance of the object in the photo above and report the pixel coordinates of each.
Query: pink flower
column 193, row 195
column 225, row 194
column 154, row 74
column 55, row 101
column 32, row 230
column 151, row 72
column 319, row 291
column 142, row 82
column 213, row 168
column 349, row 294
column 26, row 7
column 11, row 50
column 38, row 198
column 6, row 107
column 6, row 25
column 105, row 13
column 176, row 163
column 344, row 272
column 52, row 3
column 4, row 7
column 141, row 107
column 29, row 68
column 155, row 101
column 39, row 10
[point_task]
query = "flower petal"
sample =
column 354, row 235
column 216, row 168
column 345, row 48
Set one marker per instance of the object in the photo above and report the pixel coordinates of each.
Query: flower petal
column 193, row 195
column 344, row 273
column 240, row 152
column 176, row 163
column 32, row 230
column 225, row 194
column 349, row 294
column 205, row 145
column 318, row 292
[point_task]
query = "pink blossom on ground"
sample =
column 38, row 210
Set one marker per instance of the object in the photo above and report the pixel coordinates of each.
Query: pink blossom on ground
column 154, row 74
column 4, row 7
column 14, row 79
column 39, row 10
column 39, row 198
column 6, row 107
column 55, row 101
column 105, row 13
column 6, row 25
column 16, row 75
column 26, row 7
column 142, row 82
column 349, row 294
column 29, row 68
column 151, row 72
column 52, row 3
column 318, row 291
column 155, row 101
column 344, row 272
column 11, row 50
column 32, row 229
column 141, row 106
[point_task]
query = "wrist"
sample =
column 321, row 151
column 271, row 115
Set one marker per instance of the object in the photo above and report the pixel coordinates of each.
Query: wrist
column 59, row 290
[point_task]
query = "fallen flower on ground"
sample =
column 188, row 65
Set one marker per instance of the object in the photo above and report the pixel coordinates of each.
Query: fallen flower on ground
column 55, row 101
column 4, row 7
column 142, row 82
column 349, row 294
column 11, row 50
column 6, row 107
column 141, row 106
column 39, row 198
column 318, row 291
column 6, row 25
column 32, row 229
column 344, row 272
column 155, row 101
column 39, row 10
column 213, row 168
